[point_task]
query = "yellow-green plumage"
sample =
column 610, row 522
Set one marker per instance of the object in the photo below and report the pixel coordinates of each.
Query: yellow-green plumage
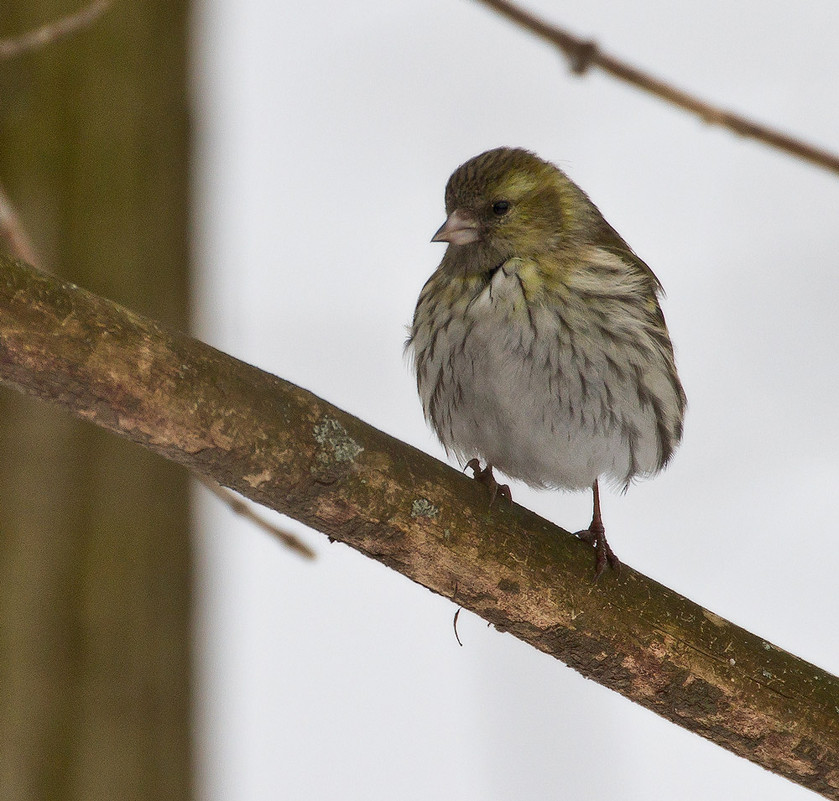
column 539, row 344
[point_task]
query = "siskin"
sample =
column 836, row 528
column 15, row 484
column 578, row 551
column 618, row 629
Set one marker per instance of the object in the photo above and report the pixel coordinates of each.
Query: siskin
column 539, row 344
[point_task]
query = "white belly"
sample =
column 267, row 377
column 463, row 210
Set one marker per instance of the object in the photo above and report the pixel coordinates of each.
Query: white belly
column 539, row 393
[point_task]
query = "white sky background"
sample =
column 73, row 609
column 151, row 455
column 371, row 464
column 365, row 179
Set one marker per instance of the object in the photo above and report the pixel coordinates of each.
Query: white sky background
column 326, row 134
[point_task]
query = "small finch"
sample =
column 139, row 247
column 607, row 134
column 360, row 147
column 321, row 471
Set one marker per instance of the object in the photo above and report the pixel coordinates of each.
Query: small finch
column 539, row 344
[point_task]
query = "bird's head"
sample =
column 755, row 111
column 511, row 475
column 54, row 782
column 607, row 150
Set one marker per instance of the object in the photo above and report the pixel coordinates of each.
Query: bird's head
column 503, row 203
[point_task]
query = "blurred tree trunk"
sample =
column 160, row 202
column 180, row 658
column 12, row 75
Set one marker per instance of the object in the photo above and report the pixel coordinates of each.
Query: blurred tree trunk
column 94, row 532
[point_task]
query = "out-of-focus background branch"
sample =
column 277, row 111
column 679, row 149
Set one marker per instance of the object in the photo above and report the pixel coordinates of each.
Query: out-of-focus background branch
column 51, row 32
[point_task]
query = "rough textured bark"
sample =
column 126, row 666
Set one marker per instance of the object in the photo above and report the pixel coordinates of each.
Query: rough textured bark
column 284, row 447
column 94, row 548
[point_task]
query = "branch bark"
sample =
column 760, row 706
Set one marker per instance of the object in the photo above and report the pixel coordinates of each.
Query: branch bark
column 292, row 451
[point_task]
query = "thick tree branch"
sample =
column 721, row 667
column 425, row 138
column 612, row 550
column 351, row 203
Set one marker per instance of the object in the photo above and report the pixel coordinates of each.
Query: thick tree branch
column 583, row 53
column 290, row 450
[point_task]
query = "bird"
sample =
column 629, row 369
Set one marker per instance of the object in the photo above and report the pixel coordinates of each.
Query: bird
column 539, row 344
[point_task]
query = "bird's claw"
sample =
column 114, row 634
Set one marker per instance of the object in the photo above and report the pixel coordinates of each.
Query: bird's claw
column 485, row 476
column 595, row 535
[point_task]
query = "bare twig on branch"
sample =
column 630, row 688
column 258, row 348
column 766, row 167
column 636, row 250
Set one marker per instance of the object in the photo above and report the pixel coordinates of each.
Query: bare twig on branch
column 52, row 31
column 583, row 54
column 239, row 507
column 281, row 446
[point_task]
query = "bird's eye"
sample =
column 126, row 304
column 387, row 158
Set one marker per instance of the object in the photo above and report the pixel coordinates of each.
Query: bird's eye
column 500, row 207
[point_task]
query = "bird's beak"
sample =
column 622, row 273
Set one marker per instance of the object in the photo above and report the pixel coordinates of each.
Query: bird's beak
column 460, row 228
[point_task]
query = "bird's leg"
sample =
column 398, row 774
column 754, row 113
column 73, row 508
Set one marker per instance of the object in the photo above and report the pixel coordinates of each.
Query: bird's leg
column 595, row 535
column 485, row 476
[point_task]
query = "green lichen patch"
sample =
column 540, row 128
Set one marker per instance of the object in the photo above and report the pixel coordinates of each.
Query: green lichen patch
column 336, row 445
column 422, row 507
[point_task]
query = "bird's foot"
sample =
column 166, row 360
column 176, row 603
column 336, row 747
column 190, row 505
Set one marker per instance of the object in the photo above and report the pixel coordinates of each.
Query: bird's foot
column 595, row 535
column 485, row 476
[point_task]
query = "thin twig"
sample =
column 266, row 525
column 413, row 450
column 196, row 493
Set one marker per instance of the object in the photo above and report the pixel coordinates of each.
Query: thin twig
column 454, row 624
column 12, row 232
column 583, row 54
column 238, row 506
column 52, row 31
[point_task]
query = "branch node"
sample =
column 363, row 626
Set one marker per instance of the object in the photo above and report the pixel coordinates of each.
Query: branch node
column 581, row 55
